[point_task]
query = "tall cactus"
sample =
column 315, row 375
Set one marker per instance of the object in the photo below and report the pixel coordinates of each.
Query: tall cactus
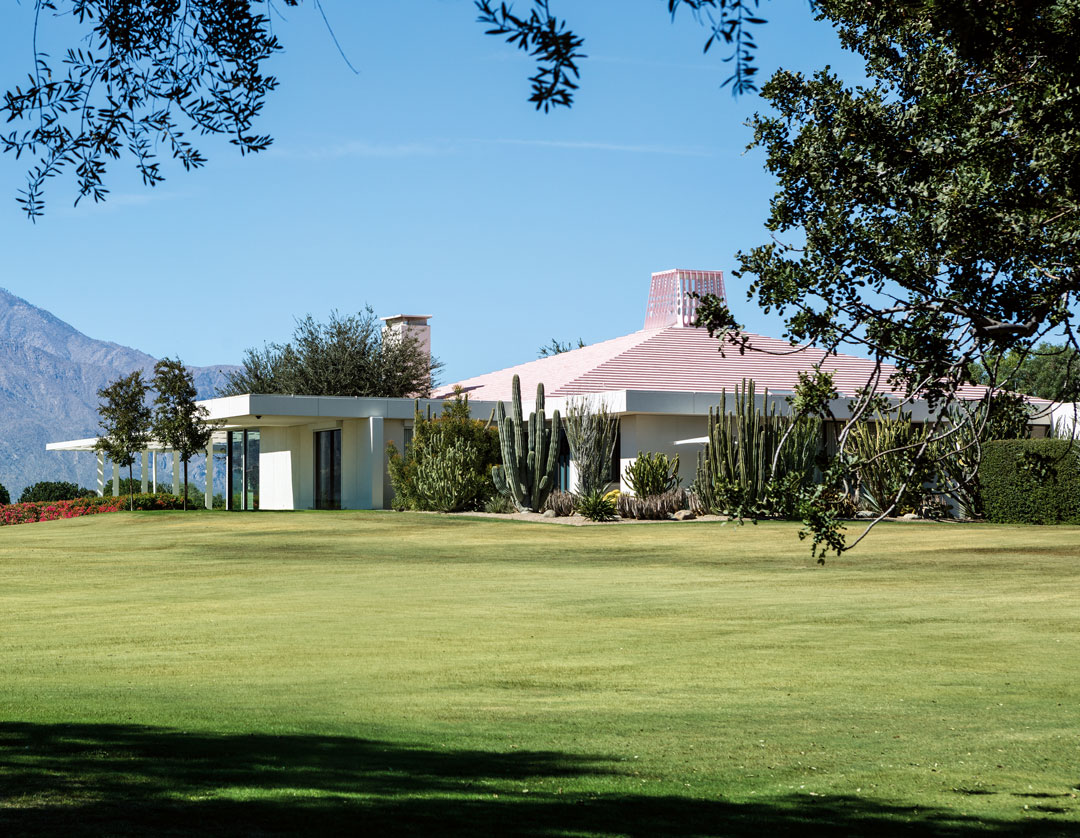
column 734, row 470
column 527, row 475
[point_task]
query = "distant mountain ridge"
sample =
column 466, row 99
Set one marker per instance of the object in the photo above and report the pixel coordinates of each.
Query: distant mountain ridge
column 50, row 374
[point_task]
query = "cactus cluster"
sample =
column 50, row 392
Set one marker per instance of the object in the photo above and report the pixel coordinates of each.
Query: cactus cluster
column 735, row 471
column 530, row 453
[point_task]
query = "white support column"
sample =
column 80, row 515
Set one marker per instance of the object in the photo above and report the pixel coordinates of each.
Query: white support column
column 101, row 474
column 154, row 472
column 210, row 475
column 176, row 487
column 377, row 453
column 145, row 469
column 115, row 480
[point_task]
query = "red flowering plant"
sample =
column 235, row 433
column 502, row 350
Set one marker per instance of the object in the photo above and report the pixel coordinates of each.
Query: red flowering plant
column 31, row 513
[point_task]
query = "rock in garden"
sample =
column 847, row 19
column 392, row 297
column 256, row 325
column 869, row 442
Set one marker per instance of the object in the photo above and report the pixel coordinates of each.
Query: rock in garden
column 549, row 513
column 684, row 515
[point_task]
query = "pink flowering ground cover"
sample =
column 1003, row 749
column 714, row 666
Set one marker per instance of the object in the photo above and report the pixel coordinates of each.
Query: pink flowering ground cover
column 30, row 513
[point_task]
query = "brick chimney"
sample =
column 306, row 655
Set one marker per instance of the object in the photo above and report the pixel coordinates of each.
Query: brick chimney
column 669, row 304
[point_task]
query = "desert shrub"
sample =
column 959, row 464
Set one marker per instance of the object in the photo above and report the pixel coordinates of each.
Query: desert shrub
column 447, row 466
column 652, row 507
column 652, row 474
column 499, row 504
column 885, row 450
column 597, row 507
column 54, row 490
column 5, row 496
column 561, row 503
column 445, row 480
column 591, row 433
column 1031, row 481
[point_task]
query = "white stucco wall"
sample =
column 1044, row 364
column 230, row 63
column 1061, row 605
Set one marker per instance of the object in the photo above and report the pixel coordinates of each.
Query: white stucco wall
column 657, row 434
column 287, row 463
column 276, row 459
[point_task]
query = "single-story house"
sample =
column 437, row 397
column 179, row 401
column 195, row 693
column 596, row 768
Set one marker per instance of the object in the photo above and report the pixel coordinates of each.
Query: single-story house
column 303, row 452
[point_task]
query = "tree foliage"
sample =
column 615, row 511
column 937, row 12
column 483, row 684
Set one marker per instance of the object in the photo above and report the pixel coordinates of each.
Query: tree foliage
column 349, row 355
column 1049, row 371
column 5, row 495
column 50, row 490
column 178, row 421
column 928, row 217
column 145, row 76
column 125, row 421
column 557, row 347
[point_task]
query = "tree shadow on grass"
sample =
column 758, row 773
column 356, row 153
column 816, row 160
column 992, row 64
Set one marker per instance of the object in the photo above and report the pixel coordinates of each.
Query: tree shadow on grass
column 83, row 780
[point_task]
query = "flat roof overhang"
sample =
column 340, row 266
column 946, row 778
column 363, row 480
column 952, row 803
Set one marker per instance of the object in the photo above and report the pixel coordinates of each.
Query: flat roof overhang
column 282, row 411
column 275, row 410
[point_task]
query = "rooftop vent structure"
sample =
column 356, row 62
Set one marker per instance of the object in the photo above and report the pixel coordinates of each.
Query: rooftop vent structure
column 669, row 304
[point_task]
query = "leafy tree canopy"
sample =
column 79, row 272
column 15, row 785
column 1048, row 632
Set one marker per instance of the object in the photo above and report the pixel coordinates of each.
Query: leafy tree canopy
column 178, row 421
column 349, row 355
column 125, row 420
column 147, row 75
column 1049, row 371
column 51, row 490
column 929, row 216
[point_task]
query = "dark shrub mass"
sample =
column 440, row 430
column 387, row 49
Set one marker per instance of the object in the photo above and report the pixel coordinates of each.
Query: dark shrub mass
column 1031, row 481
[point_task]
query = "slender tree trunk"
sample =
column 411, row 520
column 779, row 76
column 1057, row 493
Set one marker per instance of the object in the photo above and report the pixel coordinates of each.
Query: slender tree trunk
column 185, row 484
column 131, row 487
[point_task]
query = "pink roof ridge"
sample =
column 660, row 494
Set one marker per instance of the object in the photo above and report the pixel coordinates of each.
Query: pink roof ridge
column 673, row 359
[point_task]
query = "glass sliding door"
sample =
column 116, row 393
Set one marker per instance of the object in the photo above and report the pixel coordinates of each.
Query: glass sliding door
column 243, row 453
column 236, row 469
column 328, row 469
column 251, row 469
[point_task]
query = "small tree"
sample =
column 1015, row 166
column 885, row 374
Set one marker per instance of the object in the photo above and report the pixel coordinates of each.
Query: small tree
column 178, row 422
column 5, row 497
column 125, row 421
column 349, row 355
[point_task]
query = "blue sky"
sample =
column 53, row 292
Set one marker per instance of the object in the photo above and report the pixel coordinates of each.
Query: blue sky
column 425, row 184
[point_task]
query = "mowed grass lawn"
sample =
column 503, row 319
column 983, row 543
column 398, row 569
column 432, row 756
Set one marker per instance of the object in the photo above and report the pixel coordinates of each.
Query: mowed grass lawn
column 382, row 673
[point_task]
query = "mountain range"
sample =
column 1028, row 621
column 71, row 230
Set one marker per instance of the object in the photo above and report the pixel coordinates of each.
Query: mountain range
column 50, row 374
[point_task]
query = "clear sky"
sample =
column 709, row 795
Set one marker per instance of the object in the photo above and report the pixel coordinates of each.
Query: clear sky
column 425, row 184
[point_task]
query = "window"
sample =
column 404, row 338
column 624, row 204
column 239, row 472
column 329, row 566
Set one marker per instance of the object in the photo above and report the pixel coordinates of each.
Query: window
column 243, row 454
column 328, row 469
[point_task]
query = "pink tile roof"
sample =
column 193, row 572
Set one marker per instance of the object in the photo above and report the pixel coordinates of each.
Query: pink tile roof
column 675, row 359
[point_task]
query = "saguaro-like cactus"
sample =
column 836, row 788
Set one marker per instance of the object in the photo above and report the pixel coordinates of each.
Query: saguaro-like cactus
column 527, row 473
column 734, row 470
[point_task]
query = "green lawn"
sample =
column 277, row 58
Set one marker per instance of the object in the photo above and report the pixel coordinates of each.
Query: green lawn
column 214, row 673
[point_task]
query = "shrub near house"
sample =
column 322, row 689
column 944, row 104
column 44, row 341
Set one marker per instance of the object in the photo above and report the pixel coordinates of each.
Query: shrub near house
column 447, row 466
column 54, row 490
column 1031, row 481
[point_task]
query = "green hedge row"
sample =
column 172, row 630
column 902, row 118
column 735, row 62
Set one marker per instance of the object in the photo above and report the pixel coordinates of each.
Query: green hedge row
column 1031, row 481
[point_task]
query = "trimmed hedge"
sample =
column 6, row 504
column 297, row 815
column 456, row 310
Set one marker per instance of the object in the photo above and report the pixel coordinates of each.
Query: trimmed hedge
column 1031, row 481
